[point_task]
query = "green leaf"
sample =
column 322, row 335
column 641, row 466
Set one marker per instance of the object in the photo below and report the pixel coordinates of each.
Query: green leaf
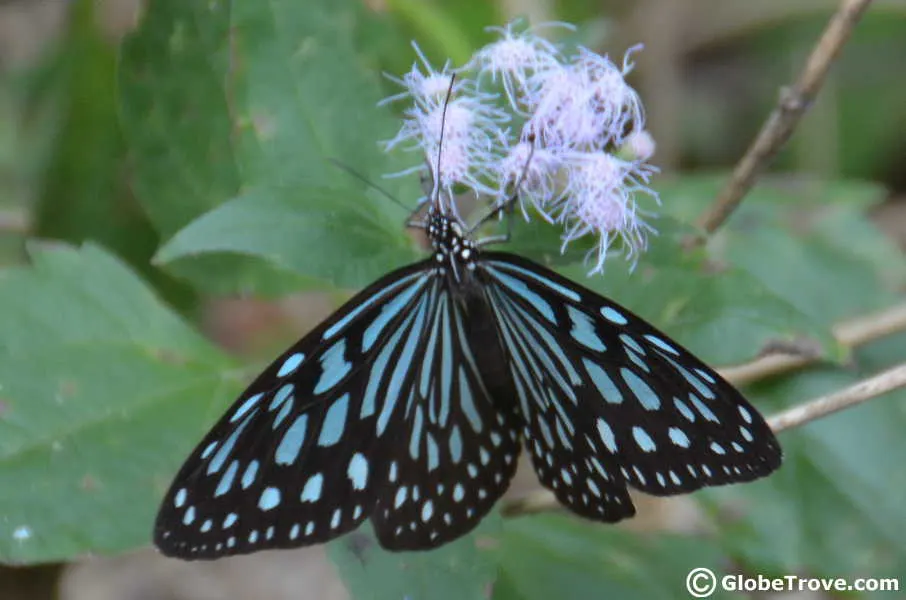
column 687, row 196
column 852, row 233
column 841, row 470
column 103, row 390
column 226, row 274
column 808, row 242
column 175, row 109
column 304, row 95
column 562, row 557
column 460, row 570
column 824, row 268
column 323, row 237
column 227, row 99
column 543, row 242
column 446, row 30
column 836, row 507
column 83, row 193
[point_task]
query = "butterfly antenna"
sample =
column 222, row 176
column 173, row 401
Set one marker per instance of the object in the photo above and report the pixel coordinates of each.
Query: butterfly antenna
column 337, row 163
column 435, row 191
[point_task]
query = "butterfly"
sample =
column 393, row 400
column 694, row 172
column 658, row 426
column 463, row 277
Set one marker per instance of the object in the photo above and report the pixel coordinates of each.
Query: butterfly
column 411, row 404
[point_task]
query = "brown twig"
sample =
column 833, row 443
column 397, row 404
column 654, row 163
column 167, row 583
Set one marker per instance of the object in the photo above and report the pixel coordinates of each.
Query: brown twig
column 855, row 394
column 793, row 103
column 850, row 334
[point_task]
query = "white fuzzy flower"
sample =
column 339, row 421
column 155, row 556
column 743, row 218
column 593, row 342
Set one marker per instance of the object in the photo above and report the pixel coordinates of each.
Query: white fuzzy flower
column 560, row 111
column 515, row 58
column 614, row 100
column 473, row 139
column 585, row 104
column 600, row 200
column 579, row 158
column 425, row 87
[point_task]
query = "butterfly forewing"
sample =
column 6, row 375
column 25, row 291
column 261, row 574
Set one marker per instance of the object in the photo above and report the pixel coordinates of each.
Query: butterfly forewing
column 612, row 401
column 380, row 412
column 298, row 459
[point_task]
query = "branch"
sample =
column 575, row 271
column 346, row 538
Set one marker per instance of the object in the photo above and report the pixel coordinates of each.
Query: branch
column 887, row 381
column 850, row 334
column 792, row 105
column 858, row 393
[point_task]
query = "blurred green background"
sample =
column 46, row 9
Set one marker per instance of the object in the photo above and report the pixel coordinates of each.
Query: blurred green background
column 121, row 123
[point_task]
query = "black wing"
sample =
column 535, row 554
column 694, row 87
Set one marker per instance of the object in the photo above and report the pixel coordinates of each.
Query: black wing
column 459, row 445
column 610, row 401
column 379, row 412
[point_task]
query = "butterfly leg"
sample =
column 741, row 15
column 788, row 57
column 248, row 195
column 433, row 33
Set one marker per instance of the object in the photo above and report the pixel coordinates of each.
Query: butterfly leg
column 426, row 179
column 505, row 208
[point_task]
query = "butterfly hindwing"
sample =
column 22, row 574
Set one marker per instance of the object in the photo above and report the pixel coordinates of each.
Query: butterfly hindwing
column 613, row 401
column 548, row 391
column 459, row 436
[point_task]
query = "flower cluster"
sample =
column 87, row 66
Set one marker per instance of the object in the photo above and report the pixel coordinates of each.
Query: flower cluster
column 563, row 132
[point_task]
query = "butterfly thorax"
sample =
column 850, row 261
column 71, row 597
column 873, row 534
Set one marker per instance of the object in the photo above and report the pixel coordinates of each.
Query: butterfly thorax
column 454, row 251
